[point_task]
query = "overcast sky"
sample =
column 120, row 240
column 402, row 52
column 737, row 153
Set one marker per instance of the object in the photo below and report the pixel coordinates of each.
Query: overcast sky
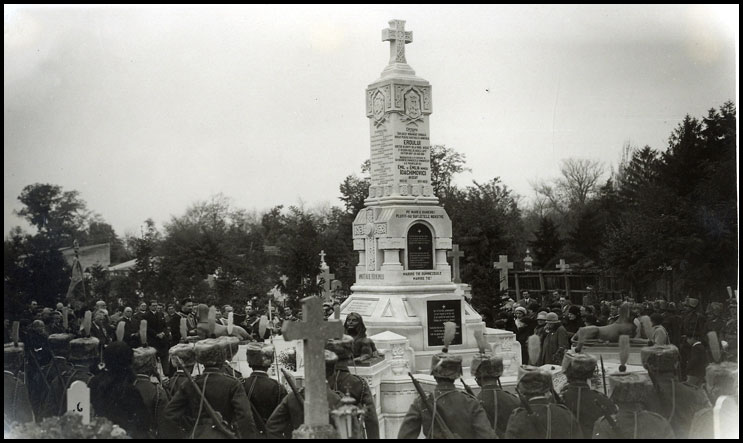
column 145, row 110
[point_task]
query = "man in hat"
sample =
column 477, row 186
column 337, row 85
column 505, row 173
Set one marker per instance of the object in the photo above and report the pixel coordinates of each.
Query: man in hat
column 342, row 381
column 363, row 347
column 498, row 404
column 289, row 414
column 83, row 356
column 675, row 401
column 185, row 351
column 539, row 417
column 15, row 394
column 555, row 341
column 144, row 364
column 578, row 396
column 462, row 413
column 721, row 379
column 264, row 393
column 630, row 393
column 224, row 393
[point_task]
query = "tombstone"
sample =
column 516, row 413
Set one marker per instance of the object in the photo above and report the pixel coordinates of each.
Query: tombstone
column 420, row 247
column 528, row 262
column 325, row 276
column 725, row 417
column 78, row 400
column 314, row 330
column 564, row 267
column 503, row 265
column 455, row 254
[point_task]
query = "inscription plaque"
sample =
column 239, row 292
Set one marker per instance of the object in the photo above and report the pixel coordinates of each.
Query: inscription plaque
column 440, row 311
column 420, row 247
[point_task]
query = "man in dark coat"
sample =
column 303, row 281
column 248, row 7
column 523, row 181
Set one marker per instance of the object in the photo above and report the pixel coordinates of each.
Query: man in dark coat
column 543, row 419
column 342, row 381
column 462, row 413
column 675, row 401
column 185, row 351
column 498, row 404
column 264, row 393
column 131, row 328
column 578, row 396
column 289, row 414
column 224, row 393
column 155, row 398
column 555, row 341
column 157, row 330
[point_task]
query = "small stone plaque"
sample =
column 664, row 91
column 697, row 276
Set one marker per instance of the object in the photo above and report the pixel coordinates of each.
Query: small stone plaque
column 420, row 247
column 440, row 311
column 363, row 307
column 78, row 400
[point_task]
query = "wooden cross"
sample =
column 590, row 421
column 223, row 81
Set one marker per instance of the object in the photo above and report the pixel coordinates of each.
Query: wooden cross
column 503, row 265
column 398, row 37
column 563, row 266
column 314, row 330
column 455, row 254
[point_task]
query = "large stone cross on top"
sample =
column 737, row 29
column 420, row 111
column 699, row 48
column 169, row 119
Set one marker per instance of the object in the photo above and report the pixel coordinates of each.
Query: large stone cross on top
column 503, row 265
column 314, row 330
column 455, row 254
column 398, row 37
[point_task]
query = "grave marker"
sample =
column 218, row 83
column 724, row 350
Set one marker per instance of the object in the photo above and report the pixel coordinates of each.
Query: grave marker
column 78, row 400
column 455, row 254
column 503, row 265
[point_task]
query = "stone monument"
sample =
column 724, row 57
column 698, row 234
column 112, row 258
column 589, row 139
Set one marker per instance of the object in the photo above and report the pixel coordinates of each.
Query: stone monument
column 403, row 281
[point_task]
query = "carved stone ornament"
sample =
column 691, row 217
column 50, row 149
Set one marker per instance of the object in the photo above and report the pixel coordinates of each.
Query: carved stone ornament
column 413, row 111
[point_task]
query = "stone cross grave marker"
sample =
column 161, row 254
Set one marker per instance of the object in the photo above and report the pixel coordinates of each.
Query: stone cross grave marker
column 284, row 279
column 503, row 265
column 313, row 331
column 564, row 267
column 398, row 38
column 325, row 275
column 322, row 255
column 455, row 254
column 725, row 417
column 78, row 400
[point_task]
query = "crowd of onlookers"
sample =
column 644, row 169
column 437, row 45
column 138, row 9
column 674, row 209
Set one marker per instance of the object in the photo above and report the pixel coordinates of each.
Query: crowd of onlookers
column 556, row 320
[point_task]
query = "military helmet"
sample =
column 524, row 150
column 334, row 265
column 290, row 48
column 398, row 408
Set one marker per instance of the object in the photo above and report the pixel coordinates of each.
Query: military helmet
column 13, row 357
column 445, row 365
column 578, row 365
column 260, row 355
column 209, row 352
column 660, row 358
column 230, row 345
column 185, row 351
column 83, row 349
column 342, row 347
column 629, row 387
column 486, row 365
column 144, row 360
column 534, row 383
column 59, row 344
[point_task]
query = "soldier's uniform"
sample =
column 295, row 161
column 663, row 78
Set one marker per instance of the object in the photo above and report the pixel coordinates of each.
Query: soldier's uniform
column 153, row 395
column 578, row 396
column 462, row 413
column 185, row 351
column 224, row 392
column 15, row 394
column 547, row 420
column 630, row 392
column 229, row 345
column 721, row 379
column 342, row 382
column 264, row 393
column 83, row 355
column 675, row 401
column 59, row 345
column 289, row 414
column 498, row 404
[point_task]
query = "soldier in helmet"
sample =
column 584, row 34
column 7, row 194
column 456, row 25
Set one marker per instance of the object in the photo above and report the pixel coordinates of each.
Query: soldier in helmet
column 498, row 404
column 462, row 413
column 184, row 351
column 289, row 414
column 264, row 393
column 229, row 345
column 539, row 417
column 59, row 346
column 675, row 401
column 224, row 393
column 578, row 396
column 342, row 381
column 15, row 394
column 630, row 393
column 154, row 396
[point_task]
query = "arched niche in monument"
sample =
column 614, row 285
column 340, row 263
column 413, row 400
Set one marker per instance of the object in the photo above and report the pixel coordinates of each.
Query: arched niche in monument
column 419, row 253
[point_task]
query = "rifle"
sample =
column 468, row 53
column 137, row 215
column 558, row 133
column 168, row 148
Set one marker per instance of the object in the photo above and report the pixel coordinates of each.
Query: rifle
column 603, row 373
column 216, row 417
column 467, row 388
column 609, row 419
column 290, row 380
column 525, row 404
column 446, row 431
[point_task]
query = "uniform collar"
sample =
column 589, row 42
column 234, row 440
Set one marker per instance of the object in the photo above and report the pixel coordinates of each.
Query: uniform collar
column 213, row 369
column 258, row 373
column 540, row 400
column 578, row 383
column 446, row 386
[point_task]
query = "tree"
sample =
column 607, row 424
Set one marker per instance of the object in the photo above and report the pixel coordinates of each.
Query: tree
column 445, row 164
column 60, row 215
column 547, row 244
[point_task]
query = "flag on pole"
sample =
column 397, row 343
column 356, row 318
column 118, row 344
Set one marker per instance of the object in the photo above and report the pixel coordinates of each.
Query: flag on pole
column 77, row 277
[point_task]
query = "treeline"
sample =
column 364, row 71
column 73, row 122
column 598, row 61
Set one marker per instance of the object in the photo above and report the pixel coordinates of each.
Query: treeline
column 672, row 211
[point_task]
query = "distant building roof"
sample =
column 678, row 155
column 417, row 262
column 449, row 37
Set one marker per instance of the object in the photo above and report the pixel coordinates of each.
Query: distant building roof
column 123, row 267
